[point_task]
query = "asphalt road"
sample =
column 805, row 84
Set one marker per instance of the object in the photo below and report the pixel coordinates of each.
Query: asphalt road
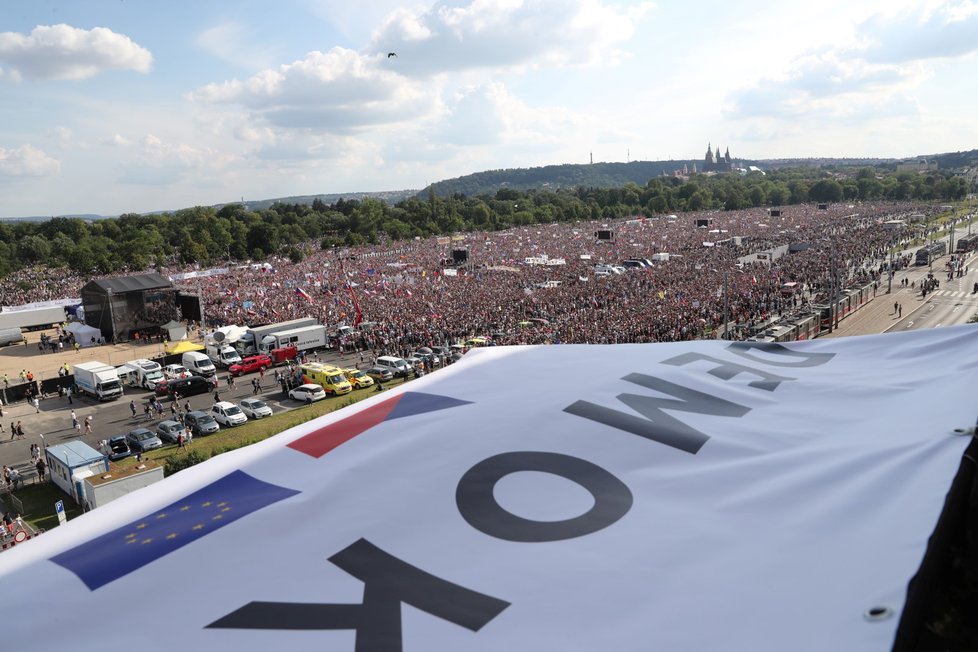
column 115, row 417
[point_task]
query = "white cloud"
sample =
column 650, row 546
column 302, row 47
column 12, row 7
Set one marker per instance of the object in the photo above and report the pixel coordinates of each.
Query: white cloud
column 489, row 115
column 948, row 30
column 337, row 91
column 118, row 140
column 66, row 138
column 65, row 52
column 827, row 85
column 886, row 59
column 505, row 34
column 157, row 162
column 27, row 161
column 232, row 43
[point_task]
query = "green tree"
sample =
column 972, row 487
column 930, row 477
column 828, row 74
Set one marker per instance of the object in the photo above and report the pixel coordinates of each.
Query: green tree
column 826, row 190
column 34, row 249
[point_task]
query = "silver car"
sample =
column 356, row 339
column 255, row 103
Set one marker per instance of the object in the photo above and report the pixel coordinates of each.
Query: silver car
column 255, row 408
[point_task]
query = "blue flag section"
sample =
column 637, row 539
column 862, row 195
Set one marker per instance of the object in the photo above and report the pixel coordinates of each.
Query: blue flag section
column 145, row 540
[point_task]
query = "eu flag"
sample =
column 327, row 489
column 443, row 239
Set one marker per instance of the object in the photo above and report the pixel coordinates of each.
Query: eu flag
column 136, row 544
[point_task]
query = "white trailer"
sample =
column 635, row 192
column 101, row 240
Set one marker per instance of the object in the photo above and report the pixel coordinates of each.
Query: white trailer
column 251, row 342
column 305, row 338
column 98, row 380
column 32, row 318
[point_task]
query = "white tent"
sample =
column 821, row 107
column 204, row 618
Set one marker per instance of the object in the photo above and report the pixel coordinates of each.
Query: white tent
column 699, row 495
column 174, row 330
column 84, row 333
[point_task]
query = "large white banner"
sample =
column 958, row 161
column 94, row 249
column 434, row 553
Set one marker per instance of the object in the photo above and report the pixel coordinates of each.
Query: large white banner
column 689, row 496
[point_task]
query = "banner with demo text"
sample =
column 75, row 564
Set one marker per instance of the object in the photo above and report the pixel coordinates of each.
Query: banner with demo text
column 701, row 495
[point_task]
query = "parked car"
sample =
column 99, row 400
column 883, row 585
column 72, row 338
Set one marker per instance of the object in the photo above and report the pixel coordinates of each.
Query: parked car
column 442, row 352
column 201, row 423
column 188, row 386
column 430, row 358
column 307, row 393
column 415, row 360
column 176, row 371
column 255, row 408
column 169, row 430
column 380, row 374
column 251, row 364
column 358, row 379
column 398, row 366
column 142, row 440
column 227, row 413
column 118, row 448
column 162, row 387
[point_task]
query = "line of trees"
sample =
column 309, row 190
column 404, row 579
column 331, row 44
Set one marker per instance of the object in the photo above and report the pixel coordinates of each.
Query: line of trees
column 207, row 236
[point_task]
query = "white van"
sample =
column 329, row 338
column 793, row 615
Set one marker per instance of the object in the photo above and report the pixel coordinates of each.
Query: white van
column 398, row 366
column 198, row 364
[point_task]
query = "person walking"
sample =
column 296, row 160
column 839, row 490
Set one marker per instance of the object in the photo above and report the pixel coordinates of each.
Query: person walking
column 88, row 424
column 40, row 466
column 132, row 408
column 37, row 405
column 20, row 430
column 74, row 421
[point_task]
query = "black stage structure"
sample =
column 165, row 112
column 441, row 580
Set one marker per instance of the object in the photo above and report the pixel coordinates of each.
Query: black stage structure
column 123, row 306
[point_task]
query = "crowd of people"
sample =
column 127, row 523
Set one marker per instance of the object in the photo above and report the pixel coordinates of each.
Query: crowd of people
column 406, row 296
column 402, row 294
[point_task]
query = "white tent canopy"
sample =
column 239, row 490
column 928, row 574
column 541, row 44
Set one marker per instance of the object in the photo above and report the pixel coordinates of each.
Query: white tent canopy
column 84, row 333
column 688, row 496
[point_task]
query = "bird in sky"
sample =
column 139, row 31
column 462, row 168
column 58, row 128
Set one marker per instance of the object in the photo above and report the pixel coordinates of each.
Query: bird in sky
column 391, row 54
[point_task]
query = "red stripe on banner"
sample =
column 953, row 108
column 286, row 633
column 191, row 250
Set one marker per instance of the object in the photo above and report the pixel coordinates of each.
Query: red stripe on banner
column 319, row 442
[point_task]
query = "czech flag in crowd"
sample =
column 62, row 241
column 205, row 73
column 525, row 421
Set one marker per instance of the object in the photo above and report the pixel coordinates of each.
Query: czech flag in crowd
column 302, row 293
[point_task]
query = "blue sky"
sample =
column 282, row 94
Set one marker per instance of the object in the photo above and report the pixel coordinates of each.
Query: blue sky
column 122, row 106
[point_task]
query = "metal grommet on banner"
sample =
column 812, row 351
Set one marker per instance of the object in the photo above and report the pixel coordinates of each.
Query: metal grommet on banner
column 874, row 614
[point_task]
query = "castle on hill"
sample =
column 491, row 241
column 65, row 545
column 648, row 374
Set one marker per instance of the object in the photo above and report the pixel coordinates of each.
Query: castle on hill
column 714, row 162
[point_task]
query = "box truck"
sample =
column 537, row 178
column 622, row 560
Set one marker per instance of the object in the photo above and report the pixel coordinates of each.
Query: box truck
column 305, row 338
column 250, row 343
column 98, row 380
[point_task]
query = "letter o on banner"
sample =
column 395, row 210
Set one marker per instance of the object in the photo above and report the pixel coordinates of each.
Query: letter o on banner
column 477, row 504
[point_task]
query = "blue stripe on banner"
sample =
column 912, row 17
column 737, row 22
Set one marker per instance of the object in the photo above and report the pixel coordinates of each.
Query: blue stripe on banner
column 129, row 548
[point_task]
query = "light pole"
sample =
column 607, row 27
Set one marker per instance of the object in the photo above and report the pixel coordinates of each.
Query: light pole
column 726, row 305
column 950, row 242
column 110, row 294
column 889, row 286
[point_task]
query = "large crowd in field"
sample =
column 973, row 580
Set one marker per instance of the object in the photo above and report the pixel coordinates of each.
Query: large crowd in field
column 538, row 284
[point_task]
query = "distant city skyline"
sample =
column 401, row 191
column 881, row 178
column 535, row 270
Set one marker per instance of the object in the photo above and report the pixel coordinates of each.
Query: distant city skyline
column 111, row 107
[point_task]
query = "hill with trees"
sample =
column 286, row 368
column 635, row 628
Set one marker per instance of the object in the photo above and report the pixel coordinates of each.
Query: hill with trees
column 209, row 235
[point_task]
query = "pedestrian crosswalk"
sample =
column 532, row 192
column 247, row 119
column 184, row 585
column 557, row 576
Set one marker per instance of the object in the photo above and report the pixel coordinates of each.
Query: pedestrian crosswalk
column 957, row 294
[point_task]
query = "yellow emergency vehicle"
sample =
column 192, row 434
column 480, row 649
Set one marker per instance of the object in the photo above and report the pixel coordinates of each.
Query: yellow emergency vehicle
column 330, row 378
